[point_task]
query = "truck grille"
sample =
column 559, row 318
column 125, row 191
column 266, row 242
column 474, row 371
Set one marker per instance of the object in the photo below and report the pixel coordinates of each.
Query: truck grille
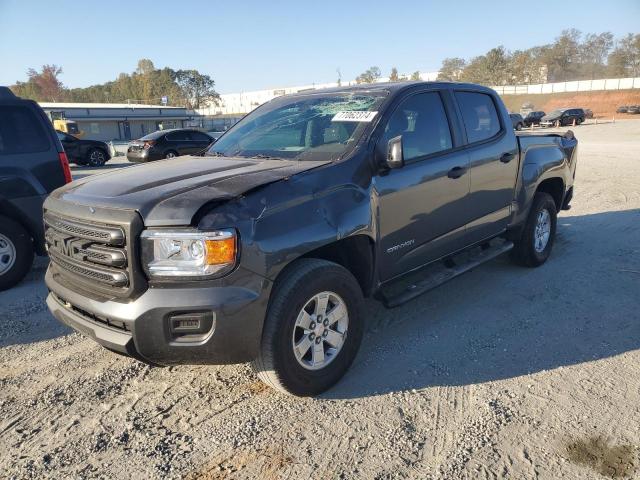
column 96, row 255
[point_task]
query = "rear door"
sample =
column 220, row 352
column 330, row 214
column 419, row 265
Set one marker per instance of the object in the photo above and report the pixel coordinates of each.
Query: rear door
column 422, row 206
column 180, row 141
column 493, row 152
column 29, row 162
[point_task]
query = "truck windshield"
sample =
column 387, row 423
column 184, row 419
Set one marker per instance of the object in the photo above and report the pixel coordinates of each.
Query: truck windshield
column 309, row 127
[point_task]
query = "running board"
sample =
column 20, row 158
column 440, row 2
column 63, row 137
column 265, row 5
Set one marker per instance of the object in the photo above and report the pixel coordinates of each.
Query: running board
column 451, row 269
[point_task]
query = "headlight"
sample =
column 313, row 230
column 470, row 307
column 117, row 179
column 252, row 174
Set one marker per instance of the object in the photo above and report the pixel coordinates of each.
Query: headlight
column 188, row 253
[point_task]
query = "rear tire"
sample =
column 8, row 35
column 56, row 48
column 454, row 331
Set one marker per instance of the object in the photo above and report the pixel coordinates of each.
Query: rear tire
column 287, row 359
column 170, row 154
column 534, row 246
column 16, row 252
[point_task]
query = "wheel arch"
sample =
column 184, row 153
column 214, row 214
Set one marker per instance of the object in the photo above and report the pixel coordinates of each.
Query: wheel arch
column 10, row 211
column 555, row 187
column 355, row 253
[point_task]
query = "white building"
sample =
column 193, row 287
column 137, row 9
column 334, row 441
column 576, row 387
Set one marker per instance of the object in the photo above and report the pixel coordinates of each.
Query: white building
column 244, row 102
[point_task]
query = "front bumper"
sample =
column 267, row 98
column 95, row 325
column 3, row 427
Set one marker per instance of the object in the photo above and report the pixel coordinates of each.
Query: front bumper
column 143, row 328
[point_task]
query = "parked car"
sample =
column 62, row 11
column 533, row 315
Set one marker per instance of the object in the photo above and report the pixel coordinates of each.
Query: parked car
column 168, row 144
column 84, row 152
column 516, row 121
column 633, row 109
column 215, row 134
column 264, row 248
column 562, row 117
column 622, row 109
column 533, row 118
column 32, row 164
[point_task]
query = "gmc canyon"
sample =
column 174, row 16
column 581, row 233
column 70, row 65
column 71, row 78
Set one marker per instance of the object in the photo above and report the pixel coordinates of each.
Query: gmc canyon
column 264, row 248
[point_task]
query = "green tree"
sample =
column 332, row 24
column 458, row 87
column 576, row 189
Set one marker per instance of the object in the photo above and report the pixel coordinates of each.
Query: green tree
column 145, row 66
column 415, row 76
column 393, row 76
column 624, row 60
column 197, row 89
column 369, row 76
column 489, row 69
column 593, row 54
column 563, row 56
column 451, row 69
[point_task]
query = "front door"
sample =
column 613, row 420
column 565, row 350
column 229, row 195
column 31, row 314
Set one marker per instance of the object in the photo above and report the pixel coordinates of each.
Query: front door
column 422, row 206
column 493, row 154
column 70, row 144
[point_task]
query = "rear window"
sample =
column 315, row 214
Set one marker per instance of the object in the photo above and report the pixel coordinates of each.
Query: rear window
column 479, row 115
column 180, row 136
column 154, row 135
column 21, row 131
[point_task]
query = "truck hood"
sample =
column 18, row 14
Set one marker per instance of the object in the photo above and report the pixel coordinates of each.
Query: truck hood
column 170, row 192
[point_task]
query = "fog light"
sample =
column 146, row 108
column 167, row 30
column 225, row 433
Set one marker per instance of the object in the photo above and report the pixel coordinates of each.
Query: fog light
column 192, row 326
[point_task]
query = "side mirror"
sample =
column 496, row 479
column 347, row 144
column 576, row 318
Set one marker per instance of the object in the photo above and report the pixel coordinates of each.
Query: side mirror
column 394, row 153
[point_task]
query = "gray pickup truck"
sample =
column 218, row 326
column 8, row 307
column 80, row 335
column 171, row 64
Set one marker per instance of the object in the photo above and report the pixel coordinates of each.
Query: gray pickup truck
column 264, row 248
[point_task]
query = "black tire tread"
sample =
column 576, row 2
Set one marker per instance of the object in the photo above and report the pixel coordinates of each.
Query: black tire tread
column 523, row 252
column 264, row 364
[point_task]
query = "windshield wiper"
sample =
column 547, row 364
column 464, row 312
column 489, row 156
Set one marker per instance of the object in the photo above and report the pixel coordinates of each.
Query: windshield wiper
column 263, row 156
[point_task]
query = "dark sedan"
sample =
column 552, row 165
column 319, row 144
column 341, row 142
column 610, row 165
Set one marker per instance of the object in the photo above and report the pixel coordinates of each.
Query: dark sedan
column 84, row 152
column 168, row 144
column 533, row 118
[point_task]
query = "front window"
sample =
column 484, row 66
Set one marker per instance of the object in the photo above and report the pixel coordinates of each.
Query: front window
column 310, row 127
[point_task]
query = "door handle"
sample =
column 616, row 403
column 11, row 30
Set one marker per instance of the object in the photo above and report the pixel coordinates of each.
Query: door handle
column 507, row 157
column 456, row 172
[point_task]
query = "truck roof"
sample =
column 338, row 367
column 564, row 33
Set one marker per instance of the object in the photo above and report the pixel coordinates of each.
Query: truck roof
column 391, row 87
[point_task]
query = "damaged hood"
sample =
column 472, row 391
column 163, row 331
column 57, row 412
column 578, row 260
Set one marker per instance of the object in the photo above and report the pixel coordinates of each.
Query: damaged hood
column 170, row 192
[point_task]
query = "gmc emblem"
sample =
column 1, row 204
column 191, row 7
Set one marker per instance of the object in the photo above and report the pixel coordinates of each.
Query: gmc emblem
column 66, row 246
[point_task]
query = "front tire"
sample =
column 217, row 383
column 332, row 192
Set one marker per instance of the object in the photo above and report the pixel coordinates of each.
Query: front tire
column 16, row 252
column 96, row 158
column 313, row 328
column 534, row 246
column 519, row 127
column 170, row 154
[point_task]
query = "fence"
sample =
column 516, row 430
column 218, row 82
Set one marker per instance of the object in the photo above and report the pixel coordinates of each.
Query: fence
column 575, row 86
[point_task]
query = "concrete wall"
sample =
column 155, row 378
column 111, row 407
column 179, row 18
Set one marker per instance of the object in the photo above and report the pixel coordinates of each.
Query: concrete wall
column 576, row 86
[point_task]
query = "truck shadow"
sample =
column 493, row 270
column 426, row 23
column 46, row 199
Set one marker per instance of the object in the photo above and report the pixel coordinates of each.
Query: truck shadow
column 502, row 321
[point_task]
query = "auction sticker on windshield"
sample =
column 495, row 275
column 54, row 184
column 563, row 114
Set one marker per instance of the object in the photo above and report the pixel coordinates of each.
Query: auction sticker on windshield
column 354, row 116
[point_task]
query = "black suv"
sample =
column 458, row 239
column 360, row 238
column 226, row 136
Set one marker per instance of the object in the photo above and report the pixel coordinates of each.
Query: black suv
column 533, row 118
column 32, row 164
column 562, row 117
column 168, row 144
column 84, row 152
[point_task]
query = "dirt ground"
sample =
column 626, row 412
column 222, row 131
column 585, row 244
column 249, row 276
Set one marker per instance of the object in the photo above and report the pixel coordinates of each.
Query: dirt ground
column 505, row 372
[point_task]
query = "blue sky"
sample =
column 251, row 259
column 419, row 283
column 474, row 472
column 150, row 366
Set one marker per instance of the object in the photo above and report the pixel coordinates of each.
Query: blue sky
column 262, row 44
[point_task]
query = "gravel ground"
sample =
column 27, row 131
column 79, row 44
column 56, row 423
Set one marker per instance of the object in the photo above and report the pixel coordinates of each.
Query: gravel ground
column 504, row 372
